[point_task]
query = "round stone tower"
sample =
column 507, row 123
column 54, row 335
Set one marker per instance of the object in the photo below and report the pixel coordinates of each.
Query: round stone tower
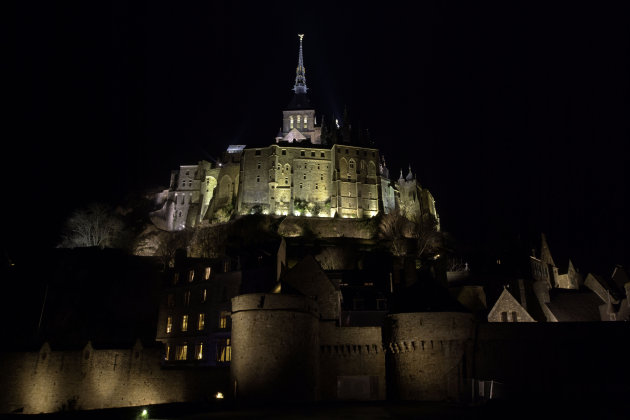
column 425, row 357
column 275, row 348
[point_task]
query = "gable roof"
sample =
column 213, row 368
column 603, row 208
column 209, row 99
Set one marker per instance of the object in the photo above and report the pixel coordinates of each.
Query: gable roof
column 506, row 300
column 574, row 305
column 294, row 135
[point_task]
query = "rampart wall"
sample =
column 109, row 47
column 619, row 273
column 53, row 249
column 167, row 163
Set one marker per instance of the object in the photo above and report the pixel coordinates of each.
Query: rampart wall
column 49, row 381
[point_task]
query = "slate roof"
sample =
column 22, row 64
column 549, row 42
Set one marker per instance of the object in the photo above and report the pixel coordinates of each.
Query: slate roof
column 299, row 101
column 574, row 305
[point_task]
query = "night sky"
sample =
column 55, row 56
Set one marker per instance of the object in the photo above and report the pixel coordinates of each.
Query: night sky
column 516, row 118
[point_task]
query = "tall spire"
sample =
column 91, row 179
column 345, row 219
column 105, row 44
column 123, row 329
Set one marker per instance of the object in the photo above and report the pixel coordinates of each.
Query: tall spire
column 300, row 77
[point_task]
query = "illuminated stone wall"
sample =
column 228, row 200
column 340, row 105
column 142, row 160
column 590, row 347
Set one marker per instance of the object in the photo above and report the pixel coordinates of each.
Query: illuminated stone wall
column 275, row 347
column 426, row 354
column 351, row 352
column 49, row 381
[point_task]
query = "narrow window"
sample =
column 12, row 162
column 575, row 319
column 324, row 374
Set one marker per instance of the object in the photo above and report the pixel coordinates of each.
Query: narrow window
column 316, row 187
column 201, row 322
column 257, row 178
column 514, row 317
column 504, row 317
column 300, row 185
column 321, row 177
column 169, row 324
column 298, row 121
column 305, row 121
column 182, row 352
column 224, row 319
column 259, row 165
column 207, row 273
column 199, row 351
column 191, row 275
column 286, row 181
column 224, row 350
column 291, row 122
column 302, row 153
column 187, row 298
column 304, row 176
column 167, row 352
column 204, row 295
column 185, row 323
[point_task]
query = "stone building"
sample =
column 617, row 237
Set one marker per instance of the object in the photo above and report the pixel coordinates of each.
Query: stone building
column 297, row 175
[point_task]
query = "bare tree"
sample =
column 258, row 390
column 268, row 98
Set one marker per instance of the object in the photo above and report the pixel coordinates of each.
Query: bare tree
column 95, row 225
column 392, row 229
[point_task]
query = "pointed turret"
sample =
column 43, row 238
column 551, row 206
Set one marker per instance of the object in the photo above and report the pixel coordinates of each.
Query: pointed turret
column 545, row 253
column 300, row 73
column 409, row 175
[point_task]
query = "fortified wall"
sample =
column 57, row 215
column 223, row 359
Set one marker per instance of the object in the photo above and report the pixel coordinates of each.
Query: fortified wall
column 49, row 380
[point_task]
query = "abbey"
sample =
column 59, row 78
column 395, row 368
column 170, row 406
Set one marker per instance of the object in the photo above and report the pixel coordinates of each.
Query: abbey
column 300, row 174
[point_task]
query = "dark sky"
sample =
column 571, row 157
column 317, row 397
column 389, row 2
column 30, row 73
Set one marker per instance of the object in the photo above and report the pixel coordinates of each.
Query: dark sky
column 515, row 117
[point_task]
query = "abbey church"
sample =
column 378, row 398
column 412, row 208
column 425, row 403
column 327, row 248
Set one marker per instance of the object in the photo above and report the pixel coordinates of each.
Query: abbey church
column 299, row 174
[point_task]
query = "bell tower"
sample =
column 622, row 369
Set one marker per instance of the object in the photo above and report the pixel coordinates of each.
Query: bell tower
column 298, row 119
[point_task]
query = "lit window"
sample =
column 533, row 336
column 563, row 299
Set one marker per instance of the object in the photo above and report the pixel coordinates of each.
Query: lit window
column 175, row 278
column 187, row 297
column 291, row 122
column 199, row 351
column 185, row 323
column 191, row 275
column 169, row 324
column 224, row 350
column 167, row 352
column 204, row 295
column 298, row 121
column 207, row 273
column 182, row 352
column 305, row 121
column 201, row 322
column 223, row 319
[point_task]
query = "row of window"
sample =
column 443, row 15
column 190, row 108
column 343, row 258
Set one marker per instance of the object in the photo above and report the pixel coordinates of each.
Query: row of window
column 299, row 121
column 201, row 322
column 170, row 298
column 191, row 275
column 180, row 352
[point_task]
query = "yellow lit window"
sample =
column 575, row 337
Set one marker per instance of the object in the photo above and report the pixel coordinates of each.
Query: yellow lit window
column 169, row 324
column 185, row 323
column 291, row 122
column 204, row 295
column 199, row 351
column 201, row 322
column 191, row 275
column 167, row 353
column 224, row 351
column 223, row 319
column 298, row 121
column 207, row 273
column 182, row 352
column 305, row 120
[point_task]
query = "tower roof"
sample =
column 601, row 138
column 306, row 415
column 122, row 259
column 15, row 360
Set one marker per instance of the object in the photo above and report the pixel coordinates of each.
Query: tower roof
column 300, row 73
column 300, row 100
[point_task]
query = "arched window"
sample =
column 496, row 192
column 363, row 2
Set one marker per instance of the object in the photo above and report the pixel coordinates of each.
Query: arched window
column 305, row 121
column 291, row 122
column 298, row 121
